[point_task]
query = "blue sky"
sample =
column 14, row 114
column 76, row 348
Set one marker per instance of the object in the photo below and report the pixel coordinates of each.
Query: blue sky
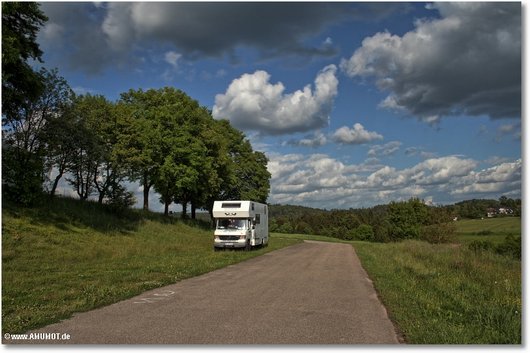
column 355, row 104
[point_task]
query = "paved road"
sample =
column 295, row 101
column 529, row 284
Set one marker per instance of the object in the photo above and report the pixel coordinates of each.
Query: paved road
column 309, row 293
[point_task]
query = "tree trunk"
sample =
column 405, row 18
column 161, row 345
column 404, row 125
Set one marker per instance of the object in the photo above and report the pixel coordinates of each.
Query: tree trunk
column 212, row 220
column 146, row 191
column 193, row 209
column 101, row 197
column 55, row 183
column 184, row 209
column 166, row 208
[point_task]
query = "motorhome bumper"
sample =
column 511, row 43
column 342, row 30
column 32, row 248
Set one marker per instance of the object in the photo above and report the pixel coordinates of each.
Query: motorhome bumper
column 230, row 243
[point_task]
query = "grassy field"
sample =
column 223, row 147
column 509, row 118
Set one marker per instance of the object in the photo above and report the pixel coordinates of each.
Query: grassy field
column 489, row 229
column 66, row 257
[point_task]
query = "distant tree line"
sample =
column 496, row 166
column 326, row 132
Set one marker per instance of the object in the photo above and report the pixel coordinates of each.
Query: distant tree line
column 479, row 208
column 160, row 138
column 411, row 219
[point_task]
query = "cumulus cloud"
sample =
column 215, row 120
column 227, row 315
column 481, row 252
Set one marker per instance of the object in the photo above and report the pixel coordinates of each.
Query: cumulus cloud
column 322, row 181
column 467, row 61
column 503, row 178
column 355, row 136
column 251, row 102
column 387, row 149
column 318, row 139
column 419, row 151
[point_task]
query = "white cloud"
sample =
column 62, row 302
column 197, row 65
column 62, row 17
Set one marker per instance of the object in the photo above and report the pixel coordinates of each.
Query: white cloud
column 413, row 151
column 513, row 130
column 251, row 102
column 356, row 135
column 468, row 61
column 117, row 28
column 316, row 140
column 322, row 181
column 52, row 31
column 387, row 149
column 172, row 58
column 503, row 178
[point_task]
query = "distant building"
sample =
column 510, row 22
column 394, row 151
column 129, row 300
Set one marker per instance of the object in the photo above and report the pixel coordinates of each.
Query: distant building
column 491, row 212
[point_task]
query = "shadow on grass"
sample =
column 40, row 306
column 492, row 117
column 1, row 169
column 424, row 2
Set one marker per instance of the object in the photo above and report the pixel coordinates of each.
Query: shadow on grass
column 70, row 215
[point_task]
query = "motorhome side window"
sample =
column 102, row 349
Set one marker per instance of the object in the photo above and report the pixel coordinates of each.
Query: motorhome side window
column 257, row 219
column 231, row 205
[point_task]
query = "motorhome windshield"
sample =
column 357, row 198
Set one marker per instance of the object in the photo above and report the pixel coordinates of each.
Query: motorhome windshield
column 232, row 223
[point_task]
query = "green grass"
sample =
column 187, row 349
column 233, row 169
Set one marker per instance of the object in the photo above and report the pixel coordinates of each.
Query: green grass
column 494, row 230
column 66, row 256
column 446, row 294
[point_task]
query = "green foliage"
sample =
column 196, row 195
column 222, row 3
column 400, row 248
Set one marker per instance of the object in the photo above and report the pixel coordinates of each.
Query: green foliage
column 510, row 247
column 480, row 245
column 20, row 23
column 477, row 209
column 27, row 138
column 22, row 175
column 406, row 219
column 394, row 222
column 440, row 227
column 173, row 144
column 362, row 232
column 119, row 199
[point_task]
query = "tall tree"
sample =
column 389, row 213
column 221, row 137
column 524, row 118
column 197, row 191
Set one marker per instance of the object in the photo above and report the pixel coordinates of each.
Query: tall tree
column 20, row 23
column 242, row 173
column 138, row 146
column 28, row 135
column 94, row 166
column 173, row 144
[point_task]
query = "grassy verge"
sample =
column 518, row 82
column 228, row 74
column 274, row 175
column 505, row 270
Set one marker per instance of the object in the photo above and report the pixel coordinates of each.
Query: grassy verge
column 66, row 257
column 447, row 294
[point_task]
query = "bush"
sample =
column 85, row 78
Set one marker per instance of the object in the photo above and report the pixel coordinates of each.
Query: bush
column 511, row 246
column 119, row 199
column 480, row 245
column 22, row 176
column 363, row 232
column 406, row 219
column 438, row 233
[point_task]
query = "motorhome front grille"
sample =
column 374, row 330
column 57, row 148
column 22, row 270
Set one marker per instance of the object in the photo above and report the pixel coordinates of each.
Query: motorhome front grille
column 229, row 237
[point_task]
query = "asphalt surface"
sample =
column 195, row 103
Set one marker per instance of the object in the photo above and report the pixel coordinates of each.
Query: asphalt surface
column 308, row 293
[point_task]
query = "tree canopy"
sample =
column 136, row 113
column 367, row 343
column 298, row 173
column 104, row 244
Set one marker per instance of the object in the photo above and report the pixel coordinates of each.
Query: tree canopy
column 20, row 24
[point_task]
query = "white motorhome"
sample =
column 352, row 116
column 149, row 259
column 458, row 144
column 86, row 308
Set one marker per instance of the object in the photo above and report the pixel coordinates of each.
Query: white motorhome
column 240, row 224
